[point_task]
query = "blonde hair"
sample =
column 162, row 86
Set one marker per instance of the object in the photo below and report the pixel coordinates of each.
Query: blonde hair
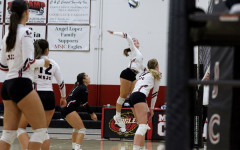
column 152, row 64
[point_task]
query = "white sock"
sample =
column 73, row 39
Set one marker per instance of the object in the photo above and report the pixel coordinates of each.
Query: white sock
column 136, row 147
column 142, row 147
column 73, row 145
column 77, row 146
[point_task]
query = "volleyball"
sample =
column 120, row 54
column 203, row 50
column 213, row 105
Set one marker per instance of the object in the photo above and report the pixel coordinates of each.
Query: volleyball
column 133, row 3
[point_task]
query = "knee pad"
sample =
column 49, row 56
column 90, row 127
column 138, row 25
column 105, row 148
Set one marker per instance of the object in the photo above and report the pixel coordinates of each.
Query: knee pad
column 75, row 130
column 39, row 135
column 83, row 131
column 142, row 129
column 20, row 131
column 120, row 100
column 9, row 136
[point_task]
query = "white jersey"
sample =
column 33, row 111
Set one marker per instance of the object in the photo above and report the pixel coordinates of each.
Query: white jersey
column 20, row 62
column 43, row 78
column 136, row 58
column 145, row 83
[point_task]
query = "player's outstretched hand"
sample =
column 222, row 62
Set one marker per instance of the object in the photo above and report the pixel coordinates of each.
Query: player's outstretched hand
column 111, row 32
column 93, row 116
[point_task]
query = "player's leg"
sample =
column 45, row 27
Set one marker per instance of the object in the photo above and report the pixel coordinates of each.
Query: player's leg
column 10, row 124
column 22, row 135
column 46, row 143
column 141, row 113
column 76, row 122
column 32, row 109
column 125, row 87
column 48, row 101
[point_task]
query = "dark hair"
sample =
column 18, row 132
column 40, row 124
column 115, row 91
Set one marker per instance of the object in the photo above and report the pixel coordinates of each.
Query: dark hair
column 39, row 47
column 17, row 8
column 80, row 78
column 126, row 51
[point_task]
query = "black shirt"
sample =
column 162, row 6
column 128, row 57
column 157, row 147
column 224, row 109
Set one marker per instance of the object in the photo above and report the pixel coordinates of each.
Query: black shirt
column 79, row 97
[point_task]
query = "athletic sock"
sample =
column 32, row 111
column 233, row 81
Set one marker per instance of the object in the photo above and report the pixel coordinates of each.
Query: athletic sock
column 73, row 145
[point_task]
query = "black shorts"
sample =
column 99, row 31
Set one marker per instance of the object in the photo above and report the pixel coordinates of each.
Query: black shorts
column 137, row 97
column 128, row 74
column 69, row 108
column 48, row 99
column 16, row 89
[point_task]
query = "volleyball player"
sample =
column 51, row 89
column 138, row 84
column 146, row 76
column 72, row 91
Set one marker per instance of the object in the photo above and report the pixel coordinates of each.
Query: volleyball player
column 17, row 59
column 147, row 80
column 78, row 97
column 43, row 85
column 128, row 75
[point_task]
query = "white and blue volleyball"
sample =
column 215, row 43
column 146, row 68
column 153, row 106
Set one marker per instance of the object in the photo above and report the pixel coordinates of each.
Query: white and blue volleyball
column 133, row 3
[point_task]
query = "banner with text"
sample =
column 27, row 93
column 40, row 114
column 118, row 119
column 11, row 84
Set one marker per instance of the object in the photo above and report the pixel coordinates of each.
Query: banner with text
column 1, row 11
column 62, row 37
column 69, row 11
column 37, row 9
column 39, row 32
column 159, row 125
column 1, row 35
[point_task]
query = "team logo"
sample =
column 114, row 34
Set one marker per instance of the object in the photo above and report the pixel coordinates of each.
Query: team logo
column 214, row 137
column 130, row 123
column 36, row 7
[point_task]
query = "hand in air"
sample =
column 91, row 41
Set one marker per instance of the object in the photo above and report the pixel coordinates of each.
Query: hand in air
column 111, row 32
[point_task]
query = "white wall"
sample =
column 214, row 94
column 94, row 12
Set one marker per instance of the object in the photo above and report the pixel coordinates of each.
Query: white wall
column 105, row 61
column 148, row 23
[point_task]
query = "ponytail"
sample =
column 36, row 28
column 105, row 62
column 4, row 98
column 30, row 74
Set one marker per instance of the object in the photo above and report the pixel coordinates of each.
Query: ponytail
column 11, row 38
column 76, row 84
column 17, row 8
column 126, row 51
column 152, row 64
column 80, row 78
column 155, row 74
column 39, row 48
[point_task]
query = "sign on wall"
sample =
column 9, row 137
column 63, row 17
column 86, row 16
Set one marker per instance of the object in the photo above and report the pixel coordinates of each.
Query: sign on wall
column 39, row 32
column 69, row 11
column 68, row 37
column 57, row 17
column 1, row 11
column 1, row 28
column 37, row 10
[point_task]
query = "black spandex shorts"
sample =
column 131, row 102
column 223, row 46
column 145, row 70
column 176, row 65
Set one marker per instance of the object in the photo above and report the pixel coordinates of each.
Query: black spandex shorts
column 128, row 74
column 48, row 99
column 137, row 97
column 16, row 89
column 69, row 108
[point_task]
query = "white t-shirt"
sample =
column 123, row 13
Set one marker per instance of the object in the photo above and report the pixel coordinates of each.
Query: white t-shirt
column 43, row 78
column 20, row 62
column 145, row 83
column 136, row 57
